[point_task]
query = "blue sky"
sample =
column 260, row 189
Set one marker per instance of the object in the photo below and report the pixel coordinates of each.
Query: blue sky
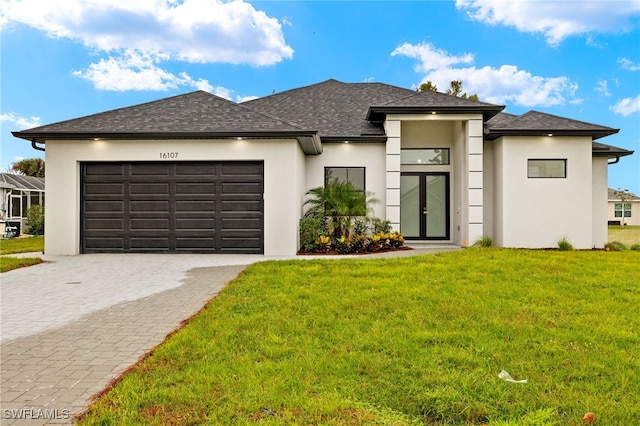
column 63, row 59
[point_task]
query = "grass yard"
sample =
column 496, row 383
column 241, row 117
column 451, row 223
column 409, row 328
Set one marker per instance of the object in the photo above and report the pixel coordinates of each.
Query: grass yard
column 21, row 245
column 8, row 263
column 625, row 234
column 402, row 341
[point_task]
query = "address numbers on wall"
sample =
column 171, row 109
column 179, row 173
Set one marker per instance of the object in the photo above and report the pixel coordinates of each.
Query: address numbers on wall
column 168, row 155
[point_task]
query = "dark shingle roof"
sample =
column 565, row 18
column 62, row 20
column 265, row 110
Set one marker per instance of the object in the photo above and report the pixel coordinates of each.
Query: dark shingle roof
column 500, row 119
column 431, row 101
column 601, row 150
column 332, row 110
column 537, row 123
column 336, row 109
column 31, row 183
column 191, row 113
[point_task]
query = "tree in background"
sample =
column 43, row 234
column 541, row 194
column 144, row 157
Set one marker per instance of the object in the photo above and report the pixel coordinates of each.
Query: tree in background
column 35, row 219
column 623, row 195
column 29, row 167
column 455, row 89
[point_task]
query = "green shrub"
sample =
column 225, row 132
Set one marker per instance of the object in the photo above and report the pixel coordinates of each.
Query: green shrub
column 378, row 225
column 343, row 245
column 35, row 218
column 564, row 244
column 484, row 241
column 616, row 246
column 311, row 228
column 635, row 247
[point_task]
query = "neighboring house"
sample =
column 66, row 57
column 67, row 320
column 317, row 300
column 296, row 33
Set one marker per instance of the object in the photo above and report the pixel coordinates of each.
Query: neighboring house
column 627, row 213
column 198, row 173
column 18, row 194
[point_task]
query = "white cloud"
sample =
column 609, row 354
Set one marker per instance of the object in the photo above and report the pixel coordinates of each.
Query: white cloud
column 556, row 20
column 137, row 71
column 241, row 99
column 494, row 85
column 603, row 88
column 626, row 106
column 627, row 64
column 430, row 58
column 20, row 122
column 198, row 31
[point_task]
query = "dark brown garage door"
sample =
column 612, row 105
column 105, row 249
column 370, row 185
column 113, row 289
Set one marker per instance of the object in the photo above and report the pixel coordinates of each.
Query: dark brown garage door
column 191, row 207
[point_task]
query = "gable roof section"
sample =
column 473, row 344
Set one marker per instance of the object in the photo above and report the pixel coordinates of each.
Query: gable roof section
column 429, row 101
column 193, row 115
column 337, row 110
column 537, row 123
column 31, row 183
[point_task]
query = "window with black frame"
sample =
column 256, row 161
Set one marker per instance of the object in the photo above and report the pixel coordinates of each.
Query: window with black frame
column 352, row 175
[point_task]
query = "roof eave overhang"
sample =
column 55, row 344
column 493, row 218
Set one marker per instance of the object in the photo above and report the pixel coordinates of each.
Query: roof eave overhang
column 309, row 140
column 378, row 113
column 492, row 134
column 355, row 139
column 611, row 153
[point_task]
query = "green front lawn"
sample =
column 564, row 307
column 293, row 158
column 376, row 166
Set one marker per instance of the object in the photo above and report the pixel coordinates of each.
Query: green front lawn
column 417, row 340
column 628, row 235
column 8, row 263
column 21, row 245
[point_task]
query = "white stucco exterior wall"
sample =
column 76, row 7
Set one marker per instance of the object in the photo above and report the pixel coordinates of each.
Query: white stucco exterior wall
column 283, row 183
column 371, row 156
column 599, row 196
column 537, row 212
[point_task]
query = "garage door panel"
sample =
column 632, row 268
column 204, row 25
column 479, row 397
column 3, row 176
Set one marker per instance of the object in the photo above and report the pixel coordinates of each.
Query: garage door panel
column 242, row 206
column 198, row 188
column 173, row 206
column 106, row 169
column 104, row 206
column 149, row 206
column 241, row 188
column 149, row 169
column 242, row 169
column 105, row 243
column 103, row 223
column 239, row 223
column 195, row 206
column 190, row 169
column 149, row 224
column 196, row 223
column 189, row 243
column 106, row 188
column 240, row 244
column 158, row 189
column 149, row 243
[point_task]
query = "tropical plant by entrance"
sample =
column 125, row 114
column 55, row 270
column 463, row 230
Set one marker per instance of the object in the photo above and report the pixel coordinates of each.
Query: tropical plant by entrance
column 339, row 220
column 341, row 203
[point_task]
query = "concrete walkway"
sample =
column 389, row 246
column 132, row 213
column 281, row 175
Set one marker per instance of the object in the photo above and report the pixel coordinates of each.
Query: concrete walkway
column 71, row 325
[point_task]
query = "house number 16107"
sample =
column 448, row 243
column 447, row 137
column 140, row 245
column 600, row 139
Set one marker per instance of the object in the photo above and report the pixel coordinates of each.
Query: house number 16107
column 166, row 155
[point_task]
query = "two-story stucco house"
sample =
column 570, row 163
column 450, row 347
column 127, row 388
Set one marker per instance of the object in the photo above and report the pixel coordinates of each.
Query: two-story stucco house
column 198, row 173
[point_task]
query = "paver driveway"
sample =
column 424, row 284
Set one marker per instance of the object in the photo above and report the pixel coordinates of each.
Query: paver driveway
column 73, row 324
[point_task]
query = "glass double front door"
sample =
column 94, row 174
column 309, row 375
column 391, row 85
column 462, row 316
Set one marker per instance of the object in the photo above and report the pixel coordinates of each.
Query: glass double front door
column 424, row 206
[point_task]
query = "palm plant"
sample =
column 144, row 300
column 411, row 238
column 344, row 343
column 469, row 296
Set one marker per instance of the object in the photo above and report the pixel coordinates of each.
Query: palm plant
column 341, row 203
